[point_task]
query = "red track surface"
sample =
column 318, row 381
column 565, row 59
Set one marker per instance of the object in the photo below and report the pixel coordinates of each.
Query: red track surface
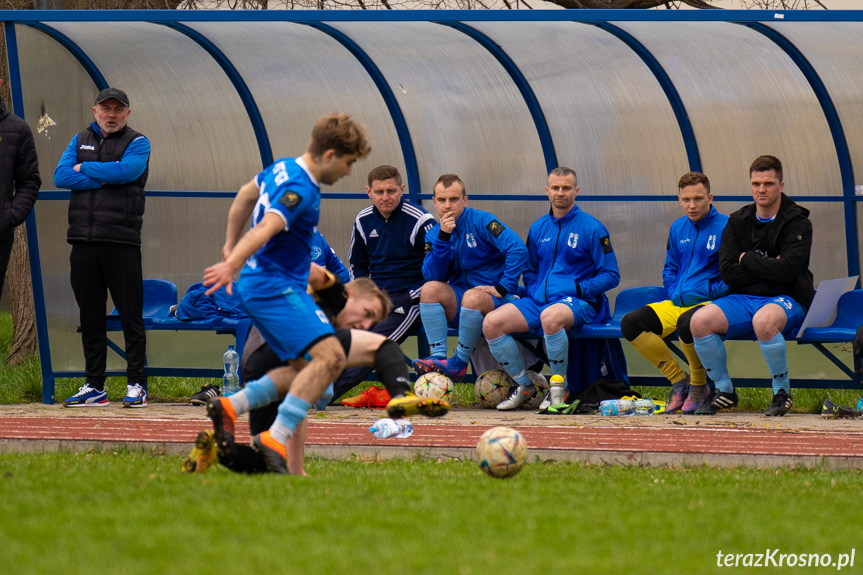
column 831, row 443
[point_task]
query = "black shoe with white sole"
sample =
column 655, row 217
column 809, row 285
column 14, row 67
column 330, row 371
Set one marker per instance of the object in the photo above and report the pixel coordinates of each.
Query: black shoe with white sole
column 716, row 401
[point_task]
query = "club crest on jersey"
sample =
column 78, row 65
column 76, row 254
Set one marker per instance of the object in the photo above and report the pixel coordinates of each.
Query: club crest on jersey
column 316, row 252
column 495, row 228
column 605, row 242
column 428, row 247
column 291, row 200
column 471, row 241
column 711, row 242
column 572, row 240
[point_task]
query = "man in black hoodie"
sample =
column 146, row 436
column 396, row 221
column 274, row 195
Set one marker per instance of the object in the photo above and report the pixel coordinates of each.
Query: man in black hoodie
column 764, row 259
column 20, row 182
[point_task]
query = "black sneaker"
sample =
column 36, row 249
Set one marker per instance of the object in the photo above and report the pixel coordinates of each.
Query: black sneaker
column 830, row 410
column 716, row 401
column 780, row 405
column 207, row 393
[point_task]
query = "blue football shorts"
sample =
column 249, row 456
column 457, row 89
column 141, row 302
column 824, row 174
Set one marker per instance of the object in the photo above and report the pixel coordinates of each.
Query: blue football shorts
column 740, row 309
column 582, row 312
column 289, row 319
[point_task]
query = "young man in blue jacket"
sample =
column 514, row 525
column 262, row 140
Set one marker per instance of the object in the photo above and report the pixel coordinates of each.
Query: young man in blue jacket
column 691, row 278
column 571, row 264
column 472, row 266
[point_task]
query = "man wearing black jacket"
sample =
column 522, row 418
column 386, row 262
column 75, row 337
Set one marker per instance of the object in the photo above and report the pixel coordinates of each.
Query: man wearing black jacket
column 20, row 183
column 106, row 166
column 764, row 259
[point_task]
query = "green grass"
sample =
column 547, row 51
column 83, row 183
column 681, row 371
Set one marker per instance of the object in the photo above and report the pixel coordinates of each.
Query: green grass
column 134, row 513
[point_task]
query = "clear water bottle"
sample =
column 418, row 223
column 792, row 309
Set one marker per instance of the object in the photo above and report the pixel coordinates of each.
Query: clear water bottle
column 557, row 391
column 617, row 407
column 231, row 378
column 645, row 407
column 386, row 427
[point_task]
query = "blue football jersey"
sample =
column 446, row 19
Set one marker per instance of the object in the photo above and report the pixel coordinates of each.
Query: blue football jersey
column 289, row 190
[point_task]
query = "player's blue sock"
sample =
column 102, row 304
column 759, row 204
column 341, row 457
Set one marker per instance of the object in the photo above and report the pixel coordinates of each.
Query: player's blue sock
column 505, row 350
column 256, row 394
column 557, row 349
column 711, row 351
column 292, row 411
column 775, row 353
column 469, row 330
column 434, row 322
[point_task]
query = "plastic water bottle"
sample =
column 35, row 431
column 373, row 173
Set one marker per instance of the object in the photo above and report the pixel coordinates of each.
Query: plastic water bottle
column 556, row 389
column 231, row 378
column 386, row 427
column 645, row 407
column 860, row 404
column 617, row 407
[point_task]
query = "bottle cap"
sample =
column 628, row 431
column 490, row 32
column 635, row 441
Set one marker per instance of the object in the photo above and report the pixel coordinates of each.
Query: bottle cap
column 373, row 429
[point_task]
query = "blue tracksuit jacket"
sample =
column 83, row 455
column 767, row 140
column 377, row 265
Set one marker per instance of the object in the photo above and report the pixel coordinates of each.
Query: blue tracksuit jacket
column 481, row 251
column 570, row 257
column 691, row 272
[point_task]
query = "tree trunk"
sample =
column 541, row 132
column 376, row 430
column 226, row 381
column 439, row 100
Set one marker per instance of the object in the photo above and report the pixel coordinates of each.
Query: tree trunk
column 24, row 344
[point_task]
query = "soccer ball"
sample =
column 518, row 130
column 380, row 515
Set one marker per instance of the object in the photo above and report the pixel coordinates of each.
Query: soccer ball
column 501, row 452
column 434, row 385
column 541, row 388
column 492, row 387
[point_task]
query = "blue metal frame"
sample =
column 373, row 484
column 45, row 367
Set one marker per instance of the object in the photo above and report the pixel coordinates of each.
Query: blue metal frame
column 539, row 120
column 321, row 20
column 411, row 166
column 840, row 143
column 686, row 129
column 239, row 84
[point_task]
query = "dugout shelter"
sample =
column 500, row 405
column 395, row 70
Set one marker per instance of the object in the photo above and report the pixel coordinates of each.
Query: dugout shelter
column 630, row 99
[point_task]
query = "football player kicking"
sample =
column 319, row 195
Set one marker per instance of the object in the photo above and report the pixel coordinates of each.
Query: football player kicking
column 353, row 308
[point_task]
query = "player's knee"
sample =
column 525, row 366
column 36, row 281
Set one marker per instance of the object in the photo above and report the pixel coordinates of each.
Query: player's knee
column 476, row 299
column 638, row 321
column 433, row 292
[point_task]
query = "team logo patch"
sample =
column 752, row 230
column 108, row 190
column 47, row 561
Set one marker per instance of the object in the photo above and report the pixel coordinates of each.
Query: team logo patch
column 471, row 241
column 605, row 242
column 291, row 200
column 495, row 228
column 316, row 252
column 428, row 247
column 711, row 242
column 572, row 240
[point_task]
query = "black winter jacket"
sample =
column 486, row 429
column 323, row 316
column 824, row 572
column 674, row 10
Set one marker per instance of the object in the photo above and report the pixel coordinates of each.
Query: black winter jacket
column 113, row 213
column 20, row 181
column 781, row 267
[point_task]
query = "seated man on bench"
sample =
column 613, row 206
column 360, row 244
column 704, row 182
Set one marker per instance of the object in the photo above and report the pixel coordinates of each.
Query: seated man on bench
column 691, row 278
column 571, row 265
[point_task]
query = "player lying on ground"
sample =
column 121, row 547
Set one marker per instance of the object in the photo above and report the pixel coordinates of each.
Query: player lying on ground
column 358, row 305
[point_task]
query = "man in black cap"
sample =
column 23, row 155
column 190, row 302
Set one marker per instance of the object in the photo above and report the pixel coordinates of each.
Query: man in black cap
column 106, row 167
column 20, row 185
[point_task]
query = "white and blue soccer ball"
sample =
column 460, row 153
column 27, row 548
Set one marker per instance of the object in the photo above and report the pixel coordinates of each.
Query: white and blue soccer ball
column 501, row 452
column 434, row 385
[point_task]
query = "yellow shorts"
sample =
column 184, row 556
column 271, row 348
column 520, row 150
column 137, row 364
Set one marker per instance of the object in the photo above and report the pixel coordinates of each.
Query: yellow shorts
column 669, row 313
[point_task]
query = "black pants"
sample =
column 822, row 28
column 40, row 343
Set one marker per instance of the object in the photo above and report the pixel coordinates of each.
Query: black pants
column 5, row 252
column 403, row 322
column 96, row 269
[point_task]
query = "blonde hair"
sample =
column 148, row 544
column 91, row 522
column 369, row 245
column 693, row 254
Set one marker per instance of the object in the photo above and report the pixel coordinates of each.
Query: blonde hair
column 366, row 288
column 341, row 133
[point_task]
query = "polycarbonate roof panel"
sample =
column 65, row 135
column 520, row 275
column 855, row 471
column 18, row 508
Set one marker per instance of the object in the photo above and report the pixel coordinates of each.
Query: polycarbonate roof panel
column 202, row 138
column 827, row 47
column 463, row 111
column 745, row 97
column 619, row 139
column 296, row 74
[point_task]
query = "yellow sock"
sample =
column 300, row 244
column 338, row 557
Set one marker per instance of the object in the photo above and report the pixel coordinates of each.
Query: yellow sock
column 697, row 375
column 654, row 349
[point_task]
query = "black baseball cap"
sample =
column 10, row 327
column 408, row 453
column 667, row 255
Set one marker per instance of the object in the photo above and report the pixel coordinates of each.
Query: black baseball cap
column 112, row 93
